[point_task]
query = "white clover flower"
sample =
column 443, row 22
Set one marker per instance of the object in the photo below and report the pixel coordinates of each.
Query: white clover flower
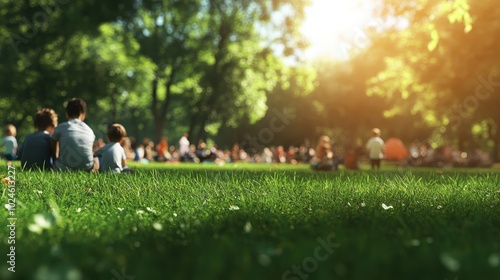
column 386, row 207
column 157, row 226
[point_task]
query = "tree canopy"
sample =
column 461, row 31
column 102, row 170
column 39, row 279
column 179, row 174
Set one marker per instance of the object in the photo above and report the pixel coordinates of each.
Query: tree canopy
column 220, row 69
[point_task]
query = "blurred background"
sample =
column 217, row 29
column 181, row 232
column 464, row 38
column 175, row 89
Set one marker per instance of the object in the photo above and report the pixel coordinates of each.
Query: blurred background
column 275, row 71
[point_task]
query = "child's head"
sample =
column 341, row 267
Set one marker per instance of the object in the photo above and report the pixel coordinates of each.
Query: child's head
column 324, row 141
column 375, row 132
column 10, row 130
column 116, row 132
column 324, row 146
column 76, row 108
column 45, row 119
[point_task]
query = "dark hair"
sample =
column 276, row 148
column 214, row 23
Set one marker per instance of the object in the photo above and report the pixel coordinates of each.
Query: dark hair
column 45, row 118
column 76, row 107
column 116, row 132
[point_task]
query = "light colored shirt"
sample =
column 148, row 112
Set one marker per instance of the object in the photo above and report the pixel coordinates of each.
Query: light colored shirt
column 183, row 145
column 112, row 156
column 35, row 151
column 76, row 140
column 10, row 144
column 375, row 148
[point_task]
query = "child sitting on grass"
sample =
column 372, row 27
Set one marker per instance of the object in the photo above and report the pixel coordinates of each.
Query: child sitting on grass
column 323, row 159
column 10, row 143
column 75, row 139
column 113, row 154
column 35, row 152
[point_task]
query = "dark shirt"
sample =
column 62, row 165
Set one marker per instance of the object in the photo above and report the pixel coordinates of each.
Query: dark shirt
column 35, row 151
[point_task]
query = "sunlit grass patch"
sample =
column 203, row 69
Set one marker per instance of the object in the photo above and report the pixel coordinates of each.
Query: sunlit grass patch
column 258, row 222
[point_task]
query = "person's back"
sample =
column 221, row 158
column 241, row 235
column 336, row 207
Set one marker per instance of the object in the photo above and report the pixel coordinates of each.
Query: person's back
column 375, row 147
column 76, row 140
column 112, row 154
column 35, row 151
column 184, row 145
column 10, row 143
column 113, row 157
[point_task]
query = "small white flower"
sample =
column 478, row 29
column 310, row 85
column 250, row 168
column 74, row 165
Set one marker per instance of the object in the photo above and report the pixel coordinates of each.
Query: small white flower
column 248, row 227
column 234, row 208
column 494, row 260
column 157, row 226
column 439, row 207
column 175, row 214
column 386, row 207
column 151, row 210
column 415, row 242
column 78, row 210
column 139, row 212
column 42, row 221
column 363, row 204
column 121, row 209
column 37, row 191
column 35, row 228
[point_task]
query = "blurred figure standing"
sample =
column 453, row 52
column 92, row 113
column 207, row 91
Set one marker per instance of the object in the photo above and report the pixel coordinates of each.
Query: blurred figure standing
column 375, row 148
column 184, row 147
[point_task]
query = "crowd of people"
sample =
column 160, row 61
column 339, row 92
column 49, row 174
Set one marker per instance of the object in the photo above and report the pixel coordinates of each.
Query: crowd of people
column 72, row 146
column 147, row 151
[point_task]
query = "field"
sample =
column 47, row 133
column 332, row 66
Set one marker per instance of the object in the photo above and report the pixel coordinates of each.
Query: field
column 254, row 222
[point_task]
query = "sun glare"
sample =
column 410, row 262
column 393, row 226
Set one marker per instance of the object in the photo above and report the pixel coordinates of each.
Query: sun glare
column 334, row 26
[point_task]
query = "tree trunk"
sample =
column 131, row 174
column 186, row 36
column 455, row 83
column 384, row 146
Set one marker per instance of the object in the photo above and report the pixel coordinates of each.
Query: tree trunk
column 158, row 126
column 496, row 142
column 192, row 125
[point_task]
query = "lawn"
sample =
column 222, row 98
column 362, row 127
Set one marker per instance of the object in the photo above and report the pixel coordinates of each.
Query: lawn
column 254, row 222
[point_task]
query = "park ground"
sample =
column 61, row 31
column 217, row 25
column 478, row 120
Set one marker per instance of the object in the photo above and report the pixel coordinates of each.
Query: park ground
column 241, row 221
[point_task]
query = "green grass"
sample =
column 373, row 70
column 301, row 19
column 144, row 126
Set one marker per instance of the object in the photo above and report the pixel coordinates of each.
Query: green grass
column 256, row 222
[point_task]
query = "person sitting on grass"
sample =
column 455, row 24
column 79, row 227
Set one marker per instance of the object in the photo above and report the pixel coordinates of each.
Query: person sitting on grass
column 10, row 143
column 73, row 140
column 112, row 154
column 35, row 152
column 323, row 158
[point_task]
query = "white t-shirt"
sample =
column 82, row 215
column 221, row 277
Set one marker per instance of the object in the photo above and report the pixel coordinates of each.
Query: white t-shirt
column 375, row 148
column 112, row 156
column 183, row 145
column 76, row 140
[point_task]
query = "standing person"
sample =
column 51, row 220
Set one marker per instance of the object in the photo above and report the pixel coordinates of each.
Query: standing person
column 375, row 148
column 35, row 152
column 10, row 143
column 113, row 155
column 184, row 146
column 74, row 140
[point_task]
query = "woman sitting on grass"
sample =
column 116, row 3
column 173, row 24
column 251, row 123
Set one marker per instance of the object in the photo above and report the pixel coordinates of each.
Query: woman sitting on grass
column 323, row 159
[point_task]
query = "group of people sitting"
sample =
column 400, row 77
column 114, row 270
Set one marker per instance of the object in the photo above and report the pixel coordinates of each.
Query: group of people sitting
column 72, row 146
column 324, row 156
column 66, row 146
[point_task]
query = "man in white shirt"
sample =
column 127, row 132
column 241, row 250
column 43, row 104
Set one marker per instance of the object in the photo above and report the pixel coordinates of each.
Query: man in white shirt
column 184, row 146
column 375, row 147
